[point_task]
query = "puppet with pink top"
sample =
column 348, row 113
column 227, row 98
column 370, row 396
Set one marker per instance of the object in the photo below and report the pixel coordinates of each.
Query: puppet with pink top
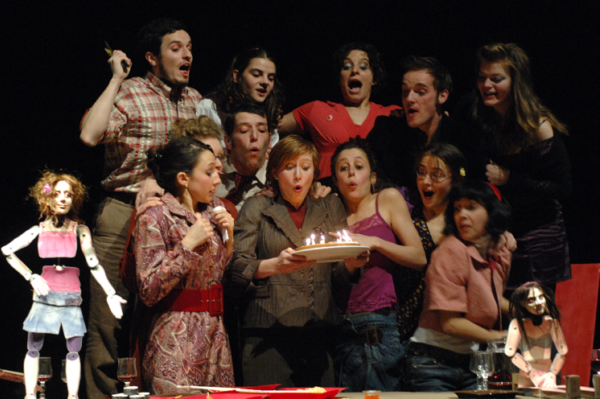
column 534, row 329
column 57, row 293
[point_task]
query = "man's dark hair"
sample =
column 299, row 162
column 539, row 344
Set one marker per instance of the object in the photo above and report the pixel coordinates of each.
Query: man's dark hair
column 441, row 77
column 250, row 108
column 151, row 35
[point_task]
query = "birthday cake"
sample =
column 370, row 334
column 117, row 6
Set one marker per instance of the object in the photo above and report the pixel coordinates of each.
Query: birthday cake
column 328, row 244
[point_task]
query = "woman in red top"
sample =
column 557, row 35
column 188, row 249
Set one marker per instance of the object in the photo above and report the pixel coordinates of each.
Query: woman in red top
column 331, row 124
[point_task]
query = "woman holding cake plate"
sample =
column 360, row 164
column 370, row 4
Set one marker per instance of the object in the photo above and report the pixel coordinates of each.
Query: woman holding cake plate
column 378, row 217
column 289, row 327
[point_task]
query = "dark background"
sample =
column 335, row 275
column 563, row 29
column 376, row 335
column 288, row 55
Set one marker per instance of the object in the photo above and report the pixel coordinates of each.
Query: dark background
column 54, row 67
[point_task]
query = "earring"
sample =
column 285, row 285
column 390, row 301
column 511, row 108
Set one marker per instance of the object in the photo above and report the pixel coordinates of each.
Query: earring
column 372, row 188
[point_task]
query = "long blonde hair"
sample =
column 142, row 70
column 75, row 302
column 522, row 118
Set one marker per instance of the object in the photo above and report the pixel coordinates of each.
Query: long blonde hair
column 519, row 128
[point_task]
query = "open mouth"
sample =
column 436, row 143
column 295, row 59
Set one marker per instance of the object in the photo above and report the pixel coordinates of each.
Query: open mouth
column 355, row 86
column 185, row 69
column 298, row 189
column 428, row 194
column 412, row 111
column 262, row 91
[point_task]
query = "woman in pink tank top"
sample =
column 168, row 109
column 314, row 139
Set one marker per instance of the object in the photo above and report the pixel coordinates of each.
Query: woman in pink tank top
column 57, row 294
column 370, row 352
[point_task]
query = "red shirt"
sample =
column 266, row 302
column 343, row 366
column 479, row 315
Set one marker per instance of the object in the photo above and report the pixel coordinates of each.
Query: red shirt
column 330, row 125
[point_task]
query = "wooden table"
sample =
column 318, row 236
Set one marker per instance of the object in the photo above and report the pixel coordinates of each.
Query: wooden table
column 383, row 395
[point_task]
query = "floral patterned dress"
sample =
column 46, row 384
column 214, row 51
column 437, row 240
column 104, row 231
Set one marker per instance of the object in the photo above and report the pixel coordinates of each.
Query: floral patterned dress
column 184, row 348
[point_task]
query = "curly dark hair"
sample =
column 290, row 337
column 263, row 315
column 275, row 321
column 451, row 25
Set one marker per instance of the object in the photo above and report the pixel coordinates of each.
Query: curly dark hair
column 375, row 61
column 230, row 94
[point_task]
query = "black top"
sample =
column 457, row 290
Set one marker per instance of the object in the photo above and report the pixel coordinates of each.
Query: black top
column 396, row 146
column 539, row 177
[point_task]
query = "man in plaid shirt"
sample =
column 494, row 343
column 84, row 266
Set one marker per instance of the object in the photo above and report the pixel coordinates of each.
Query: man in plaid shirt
column 130, row 117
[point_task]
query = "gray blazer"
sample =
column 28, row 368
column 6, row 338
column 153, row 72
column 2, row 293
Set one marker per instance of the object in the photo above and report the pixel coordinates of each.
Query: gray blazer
column 263, row 229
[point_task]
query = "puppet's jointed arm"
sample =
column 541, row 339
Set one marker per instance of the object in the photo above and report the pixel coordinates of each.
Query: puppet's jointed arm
column 37, row 282
column 561, row 347
column 512, row 343
column 114, row 301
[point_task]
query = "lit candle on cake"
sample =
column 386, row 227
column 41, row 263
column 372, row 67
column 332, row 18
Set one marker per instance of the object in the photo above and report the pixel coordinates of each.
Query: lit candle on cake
column 346, row 236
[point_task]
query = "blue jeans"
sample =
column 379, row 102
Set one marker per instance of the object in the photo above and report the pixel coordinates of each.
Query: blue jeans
column 427, row 374
column 370, row 353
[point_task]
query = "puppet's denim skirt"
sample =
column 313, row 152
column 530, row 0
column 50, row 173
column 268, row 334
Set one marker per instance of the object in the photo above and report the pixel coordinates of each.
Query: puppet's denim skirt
column 50, row 312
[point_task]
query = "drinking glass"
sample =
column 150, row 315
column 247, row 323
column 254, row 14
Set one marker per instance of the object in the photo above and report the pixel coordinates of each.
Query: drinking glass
column 501, row 377
column 63, row 371
column 596, row 360
column 482, row 364
column 126, row 370
column 44, row 373
column 371, row 394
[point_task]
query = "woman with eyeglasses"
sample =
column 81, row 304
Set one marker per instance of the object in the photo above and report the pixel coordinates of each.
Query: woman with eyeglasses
column 438, row 168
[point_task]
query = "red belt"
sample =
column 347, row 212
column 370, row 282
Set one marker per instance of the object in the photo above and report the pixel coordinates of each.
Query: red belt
column 210, row 300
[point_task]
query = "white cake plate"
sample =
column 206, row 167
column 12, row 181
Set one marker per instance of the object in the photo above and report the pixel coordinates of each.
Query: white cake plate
column 333, row 253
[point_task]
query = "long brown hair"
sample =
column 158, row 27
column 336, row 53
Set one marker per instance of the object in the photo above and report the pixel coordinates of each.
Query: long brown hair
column 230, row 94
column 519, row 128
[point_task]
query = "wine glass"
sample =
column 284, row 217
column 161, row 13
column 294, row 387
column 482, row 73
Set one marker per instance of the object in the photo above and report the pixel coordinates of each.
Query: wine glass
column 482, row 364
column 596, row 360
column 126, row 371
column 63, row 371
column 44, row 373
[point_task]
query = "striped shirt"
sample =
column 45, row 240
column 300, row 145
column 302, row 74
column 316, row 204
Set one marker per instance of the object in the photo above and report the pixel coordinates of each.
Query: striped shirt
column 141, row 117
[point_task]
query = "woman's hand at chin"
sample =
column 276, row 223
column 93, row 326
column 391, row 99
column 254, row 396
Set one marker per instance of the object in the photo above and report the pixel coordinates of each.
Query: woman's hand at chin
column 200, row 232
